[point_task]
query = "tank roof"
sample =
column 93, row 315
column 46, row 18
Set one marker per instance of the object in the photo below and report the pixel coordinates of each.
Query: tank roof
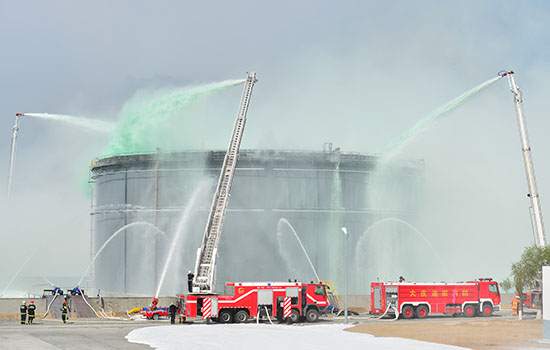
column 248, row 158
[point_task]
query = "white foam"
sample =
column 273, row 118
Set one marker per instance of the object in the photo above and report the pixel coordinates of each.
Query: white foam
column 267, row 337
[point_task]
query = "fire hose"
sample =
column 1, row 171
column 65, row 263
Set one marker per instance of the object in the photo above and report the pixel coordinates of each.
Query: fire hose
column 266, row 313
column 101, row 313
column 90, row 306
column 48, row 308
column 390, row 306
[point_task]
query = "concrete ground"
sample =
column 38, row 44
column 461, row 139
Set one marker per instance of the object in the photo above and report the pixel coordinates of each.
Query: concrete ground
column 81, row 334
column 499, row 332
column 502, row 331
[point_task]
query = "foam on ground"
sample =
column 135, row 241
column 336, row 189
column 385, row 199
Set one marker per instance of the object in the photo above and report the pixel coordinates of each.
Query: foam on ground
column 267, row 337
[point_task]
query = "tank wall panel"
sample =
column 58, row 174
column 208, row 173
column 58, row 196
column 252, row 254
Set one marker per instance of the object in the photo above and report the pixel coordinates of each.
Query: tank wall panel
column 317, row 193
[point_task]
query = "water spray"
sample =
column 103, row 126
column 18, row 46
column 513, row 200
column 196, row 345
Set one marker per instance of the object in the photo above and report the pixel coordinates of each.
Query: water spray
column 85, row 123
column 157, row 231
column 416, row 231
column 397, row 145
column 17, row 273
column 283, row 221
column 82, row 122
column 14, row 131
column 533, row 195
column 178, row 239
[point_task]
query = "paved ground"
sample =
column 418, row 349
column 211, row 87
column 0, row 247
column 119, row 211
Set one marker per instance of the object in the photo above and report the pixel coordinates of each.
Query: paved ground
column 54, row 335
column 501, row 332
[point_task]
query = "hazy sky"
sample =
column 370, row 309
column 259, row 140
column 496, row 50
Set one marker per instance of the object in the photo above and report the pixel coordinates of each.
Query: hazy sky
column 356, row 73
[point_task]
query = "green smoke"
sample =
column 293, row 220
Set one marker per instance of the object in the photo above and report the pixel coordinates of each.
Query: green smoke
column 151, row 120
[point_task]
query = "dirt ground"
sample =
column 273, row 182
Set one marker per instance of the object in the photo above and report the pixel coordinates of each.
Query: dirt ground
column 479, row 334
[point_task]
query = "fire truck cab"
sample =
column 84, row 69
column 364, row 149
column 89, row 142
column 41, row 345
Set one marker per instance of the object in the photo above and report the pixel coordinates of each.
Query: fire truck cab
column 417, row 300
column 242, row 301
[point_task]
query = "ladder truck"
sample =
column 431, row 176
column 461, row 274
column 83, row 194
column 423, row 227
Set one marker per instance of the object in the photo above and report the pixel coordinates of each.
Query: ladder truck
column 205, row 266
column 290, row 301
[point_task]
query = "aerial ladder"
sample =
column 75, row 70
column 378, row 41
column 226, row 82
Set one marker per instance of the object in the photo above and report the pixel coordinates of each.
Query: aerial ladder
column 533, row 194
column 205, row 264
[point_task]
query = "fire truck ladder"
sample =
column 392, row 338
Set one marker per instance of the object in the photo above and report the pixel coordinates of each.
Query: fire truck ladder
column 533, row 194
column 205, row 265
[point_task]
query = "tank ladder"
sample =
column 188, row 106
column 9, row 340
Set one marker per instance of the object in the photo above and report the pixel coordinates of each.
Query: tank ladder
column 205, row 265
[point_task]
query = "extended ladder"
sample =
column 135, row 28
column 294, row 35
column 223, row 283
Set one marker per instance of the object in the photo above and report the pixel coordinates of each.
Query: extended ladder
column 206, row 254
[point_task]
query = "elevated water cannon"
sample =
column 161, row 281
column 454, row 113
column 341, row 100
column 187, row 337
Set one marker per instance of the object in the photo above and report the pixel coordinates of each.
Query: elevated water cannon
column 504, row 73
column 14, row 132
column 533, row 195
column 18, row 116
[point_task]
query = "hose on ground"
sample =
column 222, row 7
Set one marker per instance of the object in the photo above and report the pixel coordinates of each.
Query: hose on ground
column 90, row 306
column 49, row 305
column 390, row 307
column 267, row 314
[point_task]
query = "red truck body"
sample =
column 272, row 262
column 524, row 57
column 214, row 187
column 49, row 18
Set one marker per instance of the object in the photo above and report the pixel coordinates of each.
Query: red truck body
column 474, row 298
column 532, row 299
column 159, row 312
column 249, row 300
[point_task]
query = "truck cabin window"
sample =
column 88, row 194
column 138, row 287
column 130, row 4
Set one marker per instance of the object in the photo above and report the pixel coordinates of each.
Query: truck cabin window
column 319, row 290
column 493, row 288
column 229, row 290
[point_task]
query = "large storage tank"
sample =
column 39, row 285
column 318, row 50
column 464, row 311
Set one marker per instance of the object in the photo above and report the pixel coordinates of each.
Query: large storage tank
column 314, row 192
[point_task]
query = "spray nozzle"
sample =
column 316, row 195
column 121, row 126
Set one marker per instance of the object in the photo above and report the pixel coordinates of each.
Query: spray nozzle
column 504, row 73
column 19, row 114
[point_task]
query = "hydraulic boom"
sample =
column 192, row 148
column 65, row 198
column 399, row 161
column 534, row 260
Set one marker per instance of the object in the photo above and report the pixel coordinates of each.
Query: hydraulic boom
column 14, row 131
column 206, row 255
column 533, row 195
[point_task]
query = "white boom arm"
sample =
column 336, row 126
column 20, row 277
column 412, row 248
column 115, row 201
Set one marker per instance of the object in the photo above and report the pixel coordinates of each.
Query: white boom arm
column 14, row 131
column 533, row 195
column 206, row 255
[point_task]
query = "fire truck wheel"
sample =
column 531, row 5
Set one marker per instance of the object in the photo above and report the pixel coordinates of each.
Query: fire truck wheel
column 469, row 310
column 241, row 316
column 294, row 316
column 407, row 312
column 487, row 310
column 312, row 315
column 422, row 311
column 225, row 316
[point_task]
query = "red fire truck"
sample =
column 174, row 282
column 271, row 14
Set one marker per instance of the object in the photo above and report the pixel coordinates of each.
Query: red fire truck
column 410, row 300
column 241, row 301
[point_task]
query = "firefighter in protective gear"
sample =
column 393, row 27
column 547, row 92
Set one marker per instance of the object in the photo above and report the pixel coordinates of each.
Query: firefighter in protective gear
column 64, row 311
column 31, row 310
column 515, row 305
column 172, row 309
column 190, row 277
column 23, row 312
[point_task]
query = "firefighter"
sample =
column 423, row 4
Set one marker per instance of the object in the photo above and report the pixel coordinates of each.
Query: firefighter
column 154, row 304
column 515, row 305
column 23, row 312
column 64, row 311
column 190, row 277
column 172, row 309
column 31, row 309
column 401, row 279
